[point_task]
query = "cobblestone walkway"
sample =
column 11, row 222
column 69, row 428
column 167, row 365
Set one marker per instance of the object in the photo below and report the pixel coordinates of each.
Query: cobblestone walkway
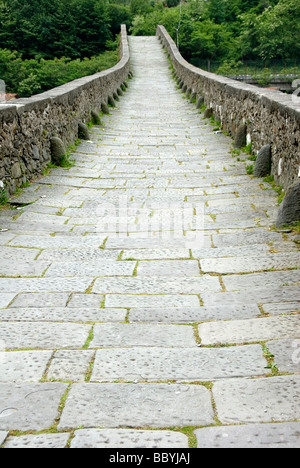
column 144, row 299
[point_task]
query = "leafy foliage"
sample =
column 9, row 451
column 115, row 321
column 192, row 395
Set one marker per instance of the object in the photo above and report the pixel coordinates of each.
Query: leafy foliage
column 28, row 77
column 45, row 43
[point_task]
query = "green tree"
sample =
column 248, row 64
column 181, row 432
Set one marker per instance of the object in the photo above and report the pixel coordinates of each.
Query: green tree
column 278, row 31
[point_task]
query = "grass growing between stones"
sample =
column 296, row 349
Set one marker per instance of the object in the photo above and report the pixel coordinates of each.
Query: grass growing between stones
column 270, row 360
column 278, row 188
column 89, row 339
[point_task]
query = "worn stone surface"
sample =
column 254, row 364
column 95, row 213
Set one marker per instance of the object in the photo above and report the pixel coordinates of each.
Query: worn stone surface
column 177, row 364
column 188, row 405
column 39, row 441
column 153, row 301
column 29, row 407
column 157, row 335
column 40, row 300
column 241, row 331
column 251, row 263
column 128, row 438
column 68, row 314
column 42, row 335
column 259, row 400
column 192, row 315
column 286, row 354
column 23, row 366
column 284, row 435
column 70, row 365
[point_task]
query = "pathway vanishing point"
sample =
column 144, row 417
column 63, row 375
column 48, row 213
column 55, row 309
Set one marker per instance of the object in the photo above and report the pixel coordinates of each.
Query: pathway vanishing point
column 144, row 299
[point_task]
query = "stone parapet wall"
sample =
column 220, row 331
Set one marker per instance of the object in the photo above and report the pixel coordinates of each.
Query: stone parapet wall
column 28, row 125
column 270, row 117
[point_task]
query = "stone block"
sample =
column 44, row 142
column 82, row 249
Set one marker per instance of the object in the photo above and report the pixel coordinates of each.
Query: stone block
column 263, row 162
column 289, row 211
column 39, row 441
column 23, row 366
column 241, row 136
column 284, row 435
column 147, row 405
column 29, row 406
column 257, row 401
column 70, row 365
column 40, row 335
column 243, row 331
column 104, row 108
column 16, row 170
column 83, row 131
column 58, row 150
column 198, row 364
column 128, row 438
column 151, row 335
column 95, row 118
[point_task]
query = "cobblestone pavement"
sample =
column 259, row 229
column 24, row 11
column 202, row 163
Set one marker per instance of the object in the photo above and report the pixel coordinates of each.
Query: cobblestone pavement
column 145, row 300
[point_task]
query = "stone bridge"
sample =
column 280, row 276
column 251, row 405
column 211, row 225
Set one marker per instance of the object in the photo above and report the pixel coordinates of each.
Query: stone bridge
column 146, row 299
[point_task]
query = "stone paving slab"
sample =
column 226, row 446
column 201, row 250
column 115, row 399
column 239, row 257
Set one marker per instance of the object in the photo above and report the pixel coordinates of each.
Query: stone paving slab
column 245, row 331
column 235, row 251
column 41, row 335
column 168, row 268
column 284, row 435
column 29, row 406
column 93, row 301
column 59, row 242
column 193, row 315
column 150, row 364
column 78, row 255
column 137, row 301
column 138, row 242
column 70, row 365
column 259, row 400
column 282, row 308
column 259, row 295
column 269, row 280
column 92, row 268
column 286, row 355
column 250, row 264
column 187, row 405
column 40, row 300
column 155, row 285
column 18, row 254
column 67, row 314
column 23, row 366
column 10, row 269
column 128, row 438
column 39, row 441
column 18, row 285
column 6, row 298
column 155, row 254
column 246, row 238
column 160, row 335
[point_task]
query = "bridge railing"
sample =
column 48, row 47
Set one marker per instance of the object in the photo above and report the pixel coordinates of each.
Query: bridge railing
column 27, row 126
column 253, row 115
